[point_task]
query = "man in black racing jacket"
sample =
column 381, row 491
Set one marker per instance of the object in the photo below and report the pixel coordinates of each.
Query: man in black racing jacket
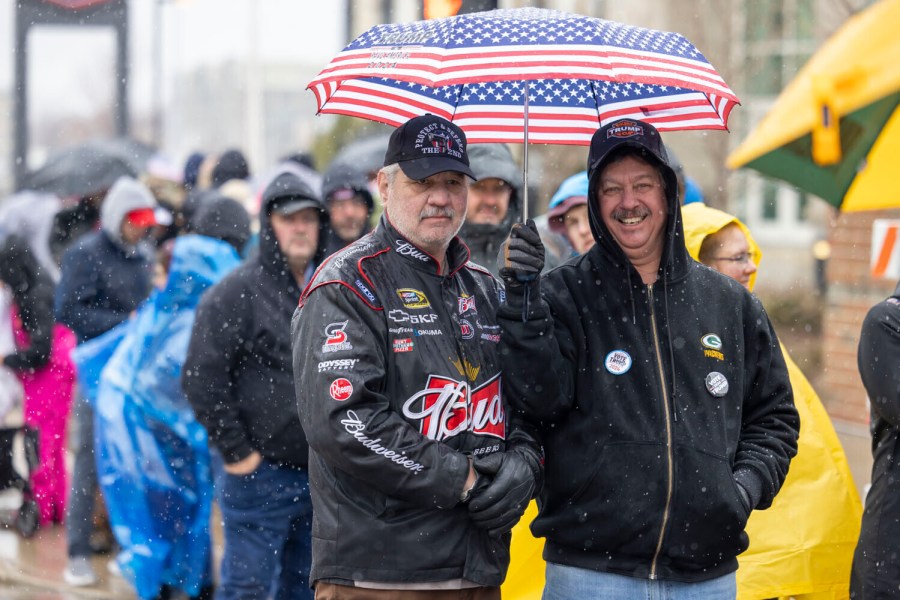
column 417, row 474
column 658, row 384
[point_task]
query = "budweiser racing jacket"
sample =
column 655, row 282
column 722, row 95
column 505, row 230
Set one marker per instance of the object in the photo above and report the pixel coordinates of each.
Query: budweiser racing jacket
column 398, row 379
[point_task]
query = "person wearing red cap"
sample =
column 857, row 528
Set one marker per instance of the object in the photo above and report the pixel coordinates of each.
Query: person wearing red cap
column 104, row 276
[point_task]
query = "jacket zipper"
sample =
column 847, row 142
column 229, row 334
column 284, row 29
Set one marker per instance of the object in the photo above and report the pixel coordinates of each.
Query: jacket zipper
column 670, row 459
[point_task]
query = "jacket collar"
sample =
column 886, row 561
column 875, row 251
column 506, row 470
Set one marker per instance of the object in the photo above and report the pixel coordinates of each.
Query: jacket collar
column 457, row 252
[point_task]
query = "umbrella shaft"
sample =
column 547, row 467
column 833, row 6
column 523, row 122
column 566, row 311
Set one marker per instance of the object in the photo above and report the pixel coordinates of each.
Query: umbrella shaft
column 525, row 162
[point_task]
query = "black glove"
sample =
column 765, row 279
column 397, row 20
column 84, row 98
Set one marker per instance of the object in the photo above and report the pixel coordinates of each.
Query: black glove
column 499, row 506
column 521, row 255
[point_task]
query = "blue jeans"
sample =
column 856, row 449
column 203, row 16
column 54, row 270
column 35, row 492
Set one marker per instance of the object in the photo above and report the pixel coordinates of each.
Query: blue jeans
column 267, row 522
column 572, row 583
column 83, row 485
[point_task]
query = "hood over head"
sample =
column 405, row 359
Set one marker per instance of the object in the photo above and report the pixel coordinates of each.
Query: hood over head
column 231, row 165
column 495, row 160
column 126, row 195
column 573, row 191
column 225, row 219
column 608, row 143
column 702, row 221
column 342, row 176
column 287, row 188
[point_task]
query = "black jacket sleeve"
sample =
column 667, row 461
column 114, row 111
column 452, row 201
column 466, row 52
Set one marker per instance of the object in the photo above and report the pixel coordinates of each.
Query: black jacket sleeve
column 879, row 357
column 210, row 368
column 37, row 319
column 770, row 423
column 537, row 354
column 76, row 297
column 351, row 421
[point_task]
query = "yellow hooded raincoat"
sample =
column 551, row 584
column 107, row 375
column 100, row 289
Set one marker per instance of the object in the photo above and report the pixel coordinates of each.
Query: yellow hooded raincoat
column 803, row 545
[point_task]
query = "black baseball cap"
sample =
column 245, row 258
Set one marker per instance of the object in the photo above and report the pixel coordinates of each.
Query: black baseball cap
column 427, row 145
column 615, row 136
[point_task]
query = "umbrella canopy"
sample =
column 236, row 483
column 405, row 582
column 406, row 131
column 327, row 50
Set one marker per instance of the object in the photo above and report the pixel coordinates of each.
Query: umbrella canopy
column 532, row 74
column 89, row 167
column 364, row 156
column 835, row 129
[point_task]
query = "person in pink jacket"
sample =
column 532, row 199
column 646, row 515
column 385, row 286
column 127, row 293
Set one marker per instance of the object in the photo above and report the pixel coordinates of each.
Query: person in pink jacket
column 43, row 365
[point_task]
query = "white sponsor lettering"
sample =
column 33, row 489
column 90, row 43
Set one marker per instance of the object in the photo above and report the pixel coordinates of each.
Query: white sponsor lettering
column 341, row 363
column 407, row 249
column 401, row 316
column 357, row 428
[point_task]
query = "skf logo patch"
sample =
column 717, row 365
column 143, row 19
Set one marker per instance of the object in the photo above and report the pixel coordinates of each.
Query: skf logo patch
column 466, row 303
column 624, row 129
column 340, row 389
column 403, row 345
column 336, row 337
column 712, row 345
column 413, row 298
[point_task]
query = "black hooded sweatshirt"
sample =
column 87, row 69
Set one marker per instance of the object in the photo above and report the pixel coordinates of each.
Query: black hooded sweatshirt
column 876, row 563
column 656, row 402
column 32, row 291
column 237, row 374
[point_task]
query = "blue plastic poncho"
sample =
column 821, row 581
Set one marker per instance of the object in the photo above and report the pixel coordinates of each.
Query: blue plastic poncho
column 152, row 454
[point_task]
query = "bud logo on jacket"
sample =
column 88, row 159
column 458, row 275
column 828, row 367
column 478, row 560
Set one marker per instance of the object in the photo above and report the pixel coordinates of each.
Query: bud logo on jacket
column 340, row 389
column 336, row 338
column 466, row 303
column 624, row 129
column 447, row 408
column 404, row 248
column 413, row 298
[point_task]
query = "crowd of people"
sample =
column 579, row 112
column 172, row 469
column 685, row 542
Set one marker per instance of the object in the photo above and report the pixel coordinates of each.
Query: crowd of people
column 373, row 374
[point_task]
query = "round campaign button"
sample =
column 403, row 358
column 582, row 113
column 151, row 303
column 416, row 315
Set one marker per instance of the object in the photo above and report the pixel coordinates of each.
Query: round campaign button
column 618, row 362
column 716, row 384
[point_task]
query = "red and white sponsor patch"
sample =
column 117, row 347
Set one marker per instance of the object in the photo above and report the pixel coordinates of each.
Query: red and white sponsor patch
column 341, row 389
column 447, row 407
column 403, row 345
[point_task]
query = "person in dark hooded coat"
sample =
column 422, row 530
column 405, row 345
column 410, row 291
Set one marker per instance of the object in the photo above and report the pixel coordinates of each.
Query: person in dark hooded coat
column 43, row 365
column 495, row 203
column 238, row 378
column 349, row 203
column 876, row 564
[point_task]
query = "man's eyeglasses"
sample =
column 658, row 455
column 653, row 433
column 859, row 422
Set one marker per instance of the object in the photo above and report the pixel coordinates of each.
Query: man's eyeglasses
column 745, row 257
column 638, row 190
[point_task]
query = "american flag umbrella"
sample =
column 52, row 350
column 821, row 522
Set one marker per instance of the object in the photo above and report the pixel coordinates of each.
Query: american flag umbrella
column 525, row 75
column 479, row 69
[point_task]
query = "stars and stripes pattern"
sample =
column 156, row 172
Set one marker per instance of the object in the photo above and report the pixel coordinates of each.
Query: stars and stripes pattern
column 473, row 69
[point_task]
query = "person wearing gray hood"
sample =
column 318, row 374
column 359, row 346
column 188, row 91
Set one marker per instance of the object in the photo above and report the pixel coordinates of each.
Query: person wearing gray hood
column 495, row 204
column 104, row 277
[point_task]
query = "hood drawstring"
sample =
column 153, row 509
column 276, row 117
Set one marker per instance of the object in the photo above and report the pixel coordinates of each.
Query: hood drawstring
column 631, row 295
column 668, row 328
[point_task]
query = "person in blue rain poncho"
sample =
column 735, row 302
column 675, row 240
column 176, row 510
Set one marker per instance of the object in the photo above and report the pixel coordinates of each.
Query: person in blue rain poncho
column 152, row 455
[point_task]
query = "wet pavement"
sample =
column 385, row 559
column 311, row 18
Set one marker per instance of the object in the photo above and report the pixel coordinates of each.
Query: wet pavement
column 31, row 569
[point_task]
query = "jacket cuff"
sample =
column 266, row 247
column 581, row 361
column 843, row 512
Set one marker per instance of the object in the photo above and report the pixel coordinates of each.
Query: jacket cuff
column 750, row 483
column 523, row 301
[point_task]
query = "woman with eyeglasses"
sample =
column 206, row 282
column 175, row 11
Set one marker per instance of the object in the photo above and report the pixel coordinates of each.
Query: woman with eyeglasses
column 803, row 545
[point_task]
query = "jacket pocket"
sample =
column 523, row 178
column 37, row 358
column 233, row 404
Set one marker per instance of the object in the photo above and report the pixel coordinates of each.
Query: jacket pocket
column 617, row 508
column 708, row 516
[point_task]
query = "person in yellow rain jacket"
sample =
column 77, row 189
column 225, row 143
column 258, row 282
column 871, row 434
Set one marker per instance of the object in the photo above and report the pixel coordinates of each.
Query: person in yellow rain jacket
column 802, row 546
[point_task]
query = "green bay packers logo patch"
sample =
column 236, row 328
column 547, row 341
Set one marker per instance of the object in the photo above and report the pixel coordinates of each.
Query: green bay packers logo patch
column 712, row 346
column 413, row 298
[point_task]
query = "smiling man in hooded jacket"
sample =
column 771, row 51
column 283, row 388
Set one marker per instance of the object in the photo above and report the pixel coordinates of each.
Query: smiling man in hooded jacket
column 659, row 386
